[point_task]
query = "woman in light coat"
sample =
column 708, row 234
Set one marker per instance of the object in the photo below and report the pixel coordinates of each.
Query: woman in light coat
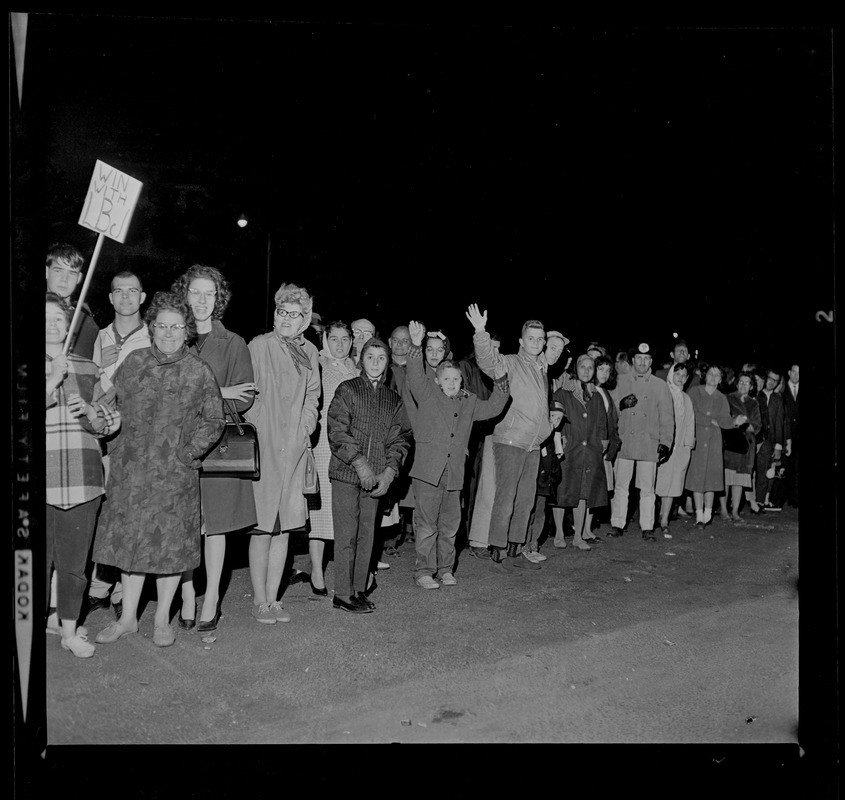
column 706, row 473
column 287, row 380
column 671, row 474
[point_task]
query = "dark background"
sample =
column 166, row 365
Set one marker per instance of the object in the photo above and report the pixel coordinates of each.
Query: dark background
column 618, row 184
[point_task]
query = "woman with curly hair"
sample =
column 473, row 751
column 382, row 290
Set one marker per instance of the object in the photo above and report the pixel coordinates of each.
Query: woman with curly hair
column 172, row 414
column 227, row 503
column 287, row 382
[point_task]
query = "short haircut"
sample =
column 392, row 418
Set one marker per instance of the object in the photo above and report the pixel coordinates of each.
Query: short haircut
column 773, row 371
column 597, row 346
column 65, row 252
column 52, row 297
column 125, row 273
column 623, row 355
column 679, row 342
column 446, row 363
column 291, row 293
column 683, row 365
column 374, row 343
column 221, row 286
column 175, row 302
column 532, row 323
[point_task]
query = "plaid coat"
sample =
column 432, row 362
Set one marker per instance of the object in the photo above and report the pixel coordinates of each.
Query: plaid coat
column 74, row 473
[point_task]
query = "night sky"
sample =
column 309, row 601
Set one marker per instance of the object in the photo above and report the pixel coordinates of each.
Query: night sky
column 619, row 184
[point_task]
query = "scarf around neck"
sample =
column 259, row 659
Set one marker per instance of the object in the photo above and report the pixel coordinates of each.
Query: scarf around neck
column 345, row 365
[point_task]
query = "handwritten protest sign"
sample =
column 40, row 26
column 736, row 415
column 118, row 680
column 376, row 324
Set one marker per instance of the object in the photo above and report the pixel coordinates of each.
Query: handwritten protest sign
column 110, row 201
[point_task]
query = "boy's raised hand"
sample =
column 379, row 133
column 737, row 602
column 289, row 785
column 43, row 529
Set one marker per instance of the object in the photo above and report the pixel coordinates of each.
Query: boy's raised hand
column 478, row 320
column 417, row 331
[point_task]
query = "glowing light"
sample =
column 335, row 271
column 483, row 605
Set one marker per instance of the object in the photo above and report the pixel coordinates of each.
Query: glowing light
column 242, row 221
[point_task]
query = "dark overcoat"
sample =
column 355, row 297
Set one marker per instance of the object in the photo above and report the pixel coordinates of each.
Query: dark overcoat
column 228, row 504
column 585, row 432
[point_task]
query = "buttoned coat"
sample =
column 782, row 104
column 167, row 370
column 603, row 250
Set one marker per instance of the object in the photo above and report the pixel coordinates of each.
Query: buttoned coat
column 285, row 415
column 585, row 433
column 442, row 425
column 228, row 504
column 172, row 413
column 706, row 471
column 650, row 422
column 744, row 462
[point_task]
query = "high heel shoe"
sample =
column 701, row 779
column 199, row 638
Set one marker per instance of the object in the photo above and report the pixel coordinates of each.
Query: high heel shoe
column 211, row 624
column 187, row 624
column 324, row 592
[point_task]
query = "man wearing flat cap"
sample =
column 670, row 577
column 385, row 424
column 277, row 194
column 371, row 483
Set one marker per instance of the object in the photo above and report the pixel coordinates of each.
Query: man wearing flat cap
column 646, row 428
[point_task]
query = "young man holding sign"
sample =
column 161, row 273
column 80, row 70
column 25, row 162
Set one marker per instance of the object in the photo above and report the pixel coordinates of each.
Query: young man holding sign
column 64, row 274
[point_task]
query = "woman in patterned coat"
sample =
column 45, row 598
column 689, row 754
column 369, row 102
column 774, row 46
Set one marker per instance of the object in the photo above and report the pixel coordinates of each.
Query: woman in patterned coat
column 336, row 366
column 172, row 413
column 287, row 380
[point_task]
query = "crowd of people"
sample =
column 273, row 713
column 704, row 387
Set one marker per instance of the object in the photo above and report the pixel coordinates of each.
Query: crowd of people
column 409, row 444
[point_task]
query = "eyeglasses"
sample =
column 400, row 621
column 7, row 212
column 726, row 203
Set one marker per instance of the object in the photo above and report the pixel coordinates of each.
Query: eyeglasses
column 178, row 327
column 125, row 293
column 292, row 314
column 195, row 294
column 363, row 332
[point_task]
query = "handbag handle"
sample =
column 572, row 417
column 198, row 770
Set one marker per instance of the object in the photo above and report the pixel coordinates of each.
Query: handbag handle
column 233, row 412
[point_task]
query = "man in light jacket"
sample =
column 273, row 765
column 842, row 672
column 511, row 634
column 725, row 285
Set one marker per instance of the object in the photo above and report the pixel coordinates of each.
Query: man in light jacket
column 517, row 438
column 647, row 429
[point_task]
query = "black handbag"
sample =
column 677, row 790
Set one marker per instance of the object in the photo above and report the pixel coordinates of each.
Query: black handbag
column 735, row 440
column 236, row 454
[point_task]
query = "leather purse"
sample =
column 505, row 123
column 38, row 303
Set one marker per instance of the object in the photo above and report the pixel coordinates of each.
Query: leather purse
column 735, row 440
column 236, row 455
column 310, row 483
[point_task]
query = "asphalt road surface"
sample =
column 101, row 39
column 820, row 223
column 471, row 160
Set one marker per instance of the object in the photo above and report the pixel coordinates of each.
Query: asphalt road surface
column 692, row 639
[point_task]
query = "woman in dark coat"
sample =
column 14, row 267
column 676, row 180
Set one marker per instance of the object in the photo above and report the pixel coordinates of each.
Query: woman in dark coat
column 227, row 503
column 583, row 483
column 739, row 461
column 172, row 413
column 706, row 473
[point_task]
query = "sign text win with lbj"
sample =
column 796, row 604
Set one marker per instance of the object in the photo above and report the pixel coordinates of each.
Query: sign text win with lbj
column 110, row 201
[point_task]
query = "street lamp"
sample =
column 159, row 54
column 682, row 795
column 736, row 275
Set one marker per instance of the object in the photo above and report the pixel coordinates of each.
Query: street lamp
column 242, row 222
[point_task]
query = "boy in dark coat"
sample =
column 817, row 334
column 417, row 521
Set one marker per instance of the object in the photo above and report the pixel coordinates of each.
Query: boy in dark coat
column 548, row 478
column 442, row 426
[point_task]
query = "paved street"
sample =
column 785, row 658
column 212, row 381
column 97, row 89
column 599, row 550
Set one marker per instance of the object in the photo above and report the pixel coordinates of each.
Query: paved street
column 688, row 640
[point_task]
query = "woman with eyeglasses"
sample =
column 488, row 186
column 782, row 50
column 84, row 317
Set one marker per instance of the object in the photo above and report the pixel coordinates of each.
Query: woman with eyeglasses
column 227, row 503
column 172, row 414
column 287, row 381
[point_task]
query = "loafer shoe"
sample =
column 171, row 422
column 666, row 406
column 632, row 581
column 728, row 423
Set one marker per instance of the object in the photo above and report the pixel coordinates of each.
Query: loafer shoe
column 533, row 555
column 479, row 552
column 427, row 582
column 98, row 602
column 280, row 614
column 383, row 565
column 55, row 627
column 114, row 631
column 79, row 646
column 163, row 636
column 649, row 536
column 616, row 532
column 353, row 606
column 299, row 576
column 448, row 579
column 262, row 613
column 363, row 600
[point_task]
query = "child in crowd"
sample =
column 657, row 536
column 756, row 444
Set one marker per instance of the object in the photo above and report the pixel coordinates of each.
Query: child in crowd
column 369, row 436
column 442, row 426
